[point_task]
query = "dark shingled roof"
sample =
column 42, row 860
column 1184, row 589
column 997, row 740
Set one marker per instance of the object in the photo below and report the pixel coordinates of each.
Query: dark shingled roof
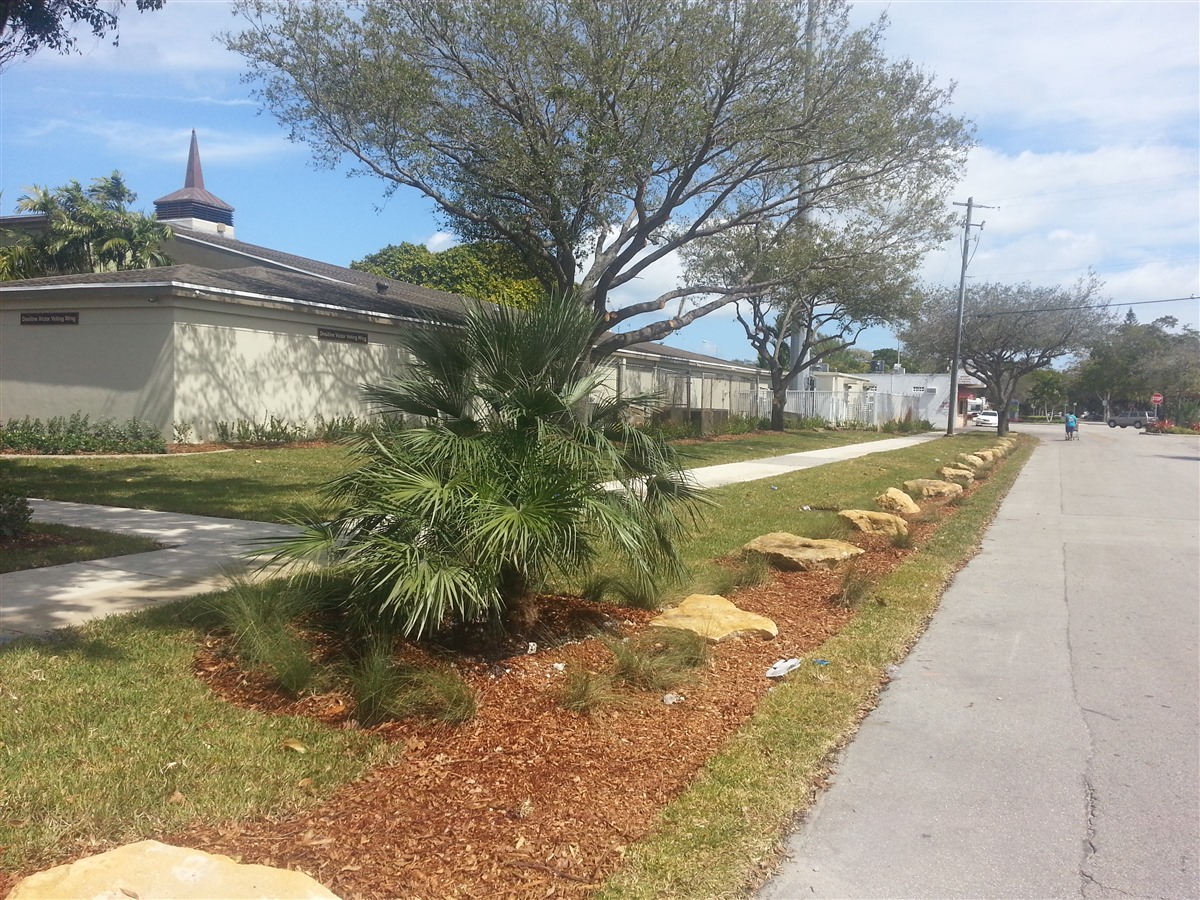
column 398, row 299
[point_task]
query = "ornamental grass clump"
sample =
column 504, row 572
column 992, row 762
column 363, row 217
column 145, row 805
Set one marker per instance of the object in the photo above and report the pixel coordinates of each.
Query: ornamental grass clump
column 516, row 467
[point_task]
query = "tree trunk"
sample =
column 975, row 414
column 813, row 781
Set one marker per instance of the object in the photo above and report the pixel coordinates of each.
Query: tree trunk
column 778, row 402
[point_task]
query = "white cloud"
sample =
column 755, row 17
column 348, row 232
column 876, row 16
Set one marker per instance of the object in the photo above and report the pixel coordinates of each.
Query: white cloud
column 134, row 140
column 440, row 240
column 176, row 39
column 1091, row 69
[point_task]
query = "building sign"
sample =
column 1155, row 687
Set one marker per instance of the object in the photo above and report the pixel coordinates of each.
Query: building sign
column 342, row 337
column 50, row 318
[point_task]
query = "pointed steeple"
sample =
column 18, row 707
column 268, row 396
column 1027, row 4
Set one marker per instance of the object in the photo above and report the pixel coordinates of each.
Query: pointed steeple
column 194, row 177
column 193, row 207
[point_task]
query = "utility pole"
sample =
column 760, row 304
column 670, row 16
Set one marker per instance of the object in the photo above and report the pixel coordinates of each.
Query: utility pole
column 800, row 330
column 952, row 418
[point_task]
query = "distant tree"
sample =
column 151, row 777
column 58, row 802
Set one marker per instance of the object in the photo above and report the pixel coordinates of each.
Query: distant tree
column 484, row 271
column 828, row 284
column 81, row 229
column 1134, row 361
column 27, row 26
column 1010, row 331
column 889, row 356
column 1046, row 389
column 598, row 138
column 851, row 360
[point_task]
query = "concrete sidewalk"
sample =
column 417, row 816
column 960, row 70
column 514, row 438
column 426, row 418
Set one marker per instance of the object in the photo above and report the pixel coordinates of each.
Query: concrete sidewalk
column 1043, row 737
column 202, row 553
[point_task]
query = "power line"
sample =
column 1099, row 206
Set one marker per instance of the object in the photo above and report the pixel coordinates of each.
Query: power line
column 1081, row 306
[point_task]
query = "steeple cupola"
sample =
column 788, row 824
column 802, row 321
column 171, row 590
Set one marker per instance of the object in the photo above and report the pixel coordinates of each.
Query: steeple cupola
column 193, row 207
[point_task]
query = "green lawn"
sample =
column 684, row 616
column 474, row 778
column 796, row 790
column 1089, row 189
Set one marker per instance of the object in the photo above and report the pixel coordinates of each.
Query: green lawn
column 67, row 544
column 271, row 485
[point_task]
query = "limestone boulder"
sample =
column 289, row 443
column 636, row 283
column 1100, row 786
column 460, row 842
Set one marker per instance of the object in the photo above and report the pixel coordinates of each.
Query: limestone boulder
column 154, row 871
column 716, row 619
column 932, row 487
column 958, row 476
column 970, row 459
column 988, row 456
column 875, row 522
column 896, row 501
column 793, row 553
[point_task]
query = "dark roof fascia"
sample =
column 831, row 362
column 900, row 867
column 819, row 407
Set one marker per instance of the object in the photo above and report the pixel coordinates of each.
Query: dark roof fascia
column 678, row 356
column 190, row 290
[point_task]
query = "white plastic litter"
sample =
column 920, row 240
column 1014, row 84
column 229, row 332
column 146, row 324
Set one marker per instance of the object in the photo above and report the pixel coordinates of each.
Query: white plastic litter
column 672, row 699
column 783, row 666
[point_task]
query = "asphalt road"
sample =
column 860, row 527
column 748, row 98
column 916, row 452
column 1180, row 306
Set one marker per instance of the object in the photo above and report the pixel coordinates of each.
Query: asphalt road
column 1043, row 738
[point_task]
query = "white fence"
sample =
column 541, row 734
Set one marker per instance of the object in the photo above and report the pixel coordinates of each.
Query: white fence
column 838, row 408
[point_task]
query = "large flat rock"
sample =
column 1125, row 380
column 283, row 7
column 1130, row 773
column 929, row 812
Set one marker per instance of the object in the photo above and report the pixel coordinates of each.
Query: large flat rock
column 932, row 487
column 713, row 617
column 149, row 870
column 794, row 553
column 875, row 522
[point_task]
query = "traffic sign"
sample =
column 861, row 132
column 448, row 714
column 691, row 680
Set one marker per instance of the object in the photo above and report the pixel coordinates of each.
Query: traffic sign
column 1156, row 398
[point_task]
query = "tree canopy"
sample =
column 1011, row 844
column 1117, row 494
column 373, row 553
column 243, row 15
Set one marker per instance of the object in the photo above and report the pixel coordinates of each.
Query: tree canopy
column 28, row 25
column 484, row 271
column 1135, row 361
column 1010, row 331
column 81, row 229
column 598, row 138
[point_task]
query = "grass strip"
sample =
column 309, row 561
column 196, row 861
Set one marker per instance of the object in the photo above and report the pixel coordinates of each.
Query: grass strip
column 271, row 485
column 715, row 840
column 71, row 544
column 107, row 737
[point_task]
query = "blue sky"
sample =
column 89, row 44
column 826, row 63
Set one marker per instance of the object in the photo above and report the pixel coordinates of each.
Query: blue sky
column 1087, row 114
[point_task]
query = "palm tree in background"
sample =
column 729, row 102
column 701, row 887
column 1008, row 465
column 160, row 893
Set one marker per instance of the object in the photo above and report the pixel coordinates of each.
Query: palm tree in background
column 75, row 230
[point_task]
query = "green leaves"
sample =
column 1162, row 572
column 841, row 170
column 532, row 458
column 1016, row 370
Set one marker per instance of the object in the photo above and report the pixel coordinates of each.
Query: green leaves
column 86, row 230
column 502, row 479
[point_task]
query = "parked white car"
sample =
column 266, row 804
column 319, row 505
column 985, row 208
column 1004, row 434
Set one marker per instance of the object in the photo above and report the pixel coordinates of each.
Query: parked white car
column 987, row 418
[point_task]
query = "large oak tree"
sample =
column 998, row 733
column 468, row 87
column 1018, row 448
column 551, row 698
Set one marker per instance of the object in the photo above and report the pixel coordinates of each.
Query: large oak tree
column 1010, row 331
column 597, row 138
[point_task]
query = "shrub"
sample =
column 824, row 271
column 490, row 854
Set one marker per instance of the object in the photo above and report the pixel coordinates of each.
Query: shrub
column 384, row 691
column 856, row 587
column 739, row 425
column 636, row 590
column 466, row 515
column 15, row 514
column 585, row 692
column 808, row 423
column 263, row 619
column 658, row 658
column 78, row 434
column 748, row 570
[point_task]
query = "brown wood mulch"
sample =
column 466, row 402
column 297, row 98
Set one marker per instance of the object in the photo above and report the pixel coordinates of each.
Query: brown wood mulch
column 527, row 799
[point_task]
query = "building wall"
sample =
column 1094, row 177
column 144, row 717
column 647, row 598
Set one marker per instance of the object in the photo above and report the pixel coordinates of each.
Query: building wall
column 932, row 393
column 247, row 363
column 116, row 362
column 173, row 358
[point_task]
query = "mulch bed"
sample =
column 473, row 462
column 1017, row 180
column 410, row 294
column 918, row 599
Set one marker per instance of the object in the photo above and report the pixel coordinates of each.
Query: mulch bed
column 527, row 799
